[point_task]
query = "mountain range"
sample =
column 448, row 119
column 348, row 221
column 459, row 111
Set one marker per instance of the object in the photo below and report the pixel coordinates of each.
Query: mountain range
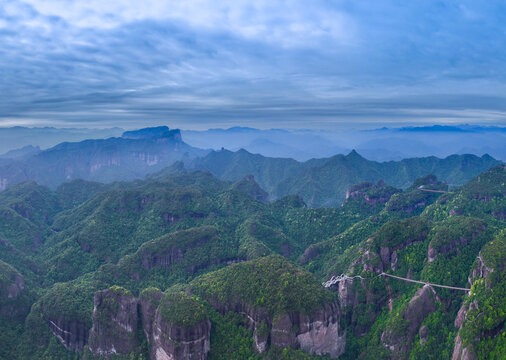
column 188, row 266
column 320, row 182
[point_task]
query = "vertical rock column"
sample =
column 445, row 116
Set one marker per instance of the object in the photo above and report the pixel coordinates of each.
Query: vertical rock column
column 181, row 329
column 114, row 323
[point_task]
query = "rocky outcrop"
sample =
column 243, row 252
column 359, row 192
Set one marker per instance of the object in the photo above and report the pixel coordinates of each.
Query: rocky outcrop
column 180, row 329
column 399, row 335
column 164, row 259
column 249, row 186
column 463, row 351
column 373, row 195
column 12, row 287
column 311, row 252
column 114, row 323
column 256, row 318
column 73, row 334
column 174, row 342
column 447, row 241
column 316, row 333
column 149, row 300
column 481, row 270
column 432, row 252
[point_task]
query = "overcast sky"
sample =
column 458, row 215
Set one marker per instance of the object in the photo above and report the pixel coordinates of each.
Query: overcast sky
column 294, row 64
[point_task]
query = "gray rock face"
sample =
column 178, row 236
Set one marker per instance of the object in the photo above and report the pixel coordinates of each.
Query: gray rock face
column 148, row 304
column 170, row 342
column 72, row 334
column 316, row 333
column 257, row 318
column 114, row 323
column 11, row 290
column 463, row 353
column 164, row 259
column 16, row 287
column 480, row 271
column 423, row 334
column 320, row 333
column 421, row 304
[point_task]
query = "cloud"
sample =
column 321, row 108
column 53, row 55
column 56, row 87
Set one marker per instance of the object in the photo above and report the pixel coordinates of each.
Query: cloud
column 289, row 23
column 200, row 62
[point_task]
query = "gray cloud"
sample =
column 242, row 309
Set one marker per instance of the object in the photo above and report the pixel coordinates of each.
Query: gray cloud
column 272, row 64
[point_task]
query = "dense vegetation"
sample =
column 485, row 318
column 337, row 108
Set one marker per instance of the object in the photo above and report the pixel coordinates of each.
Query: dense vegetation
column 212, row 244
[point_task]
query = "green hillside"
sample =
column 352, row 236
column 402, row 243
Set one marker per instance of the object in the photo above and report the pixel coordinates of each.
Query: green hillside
column 253, row 270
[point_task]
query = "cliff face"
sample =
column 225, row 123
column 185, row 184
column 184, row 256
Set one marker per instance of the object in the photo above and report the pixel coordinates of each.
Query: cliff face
column 317, row 333
column 465, row 320
column 73, row 334
column 176, row 326
column 171, row 341
column 149, row 301
column 114, row 323
column 12, row 286
column 399, row 338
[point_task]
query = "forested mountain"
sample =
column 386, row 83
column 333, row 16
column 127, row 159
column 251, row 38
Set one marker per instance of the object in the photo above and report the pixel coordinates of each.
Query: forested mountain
column 183, row 265
column 323, row 182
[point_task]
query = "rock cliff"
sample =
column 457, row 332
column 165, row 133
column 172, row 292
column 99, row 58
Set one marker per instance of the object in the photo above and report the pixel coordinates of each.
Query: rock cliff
column 400, row 333
column 114, row 323
column 481, row 320
column 73, row 334
column 12, row 285
column 317, row 333
column 176, row 326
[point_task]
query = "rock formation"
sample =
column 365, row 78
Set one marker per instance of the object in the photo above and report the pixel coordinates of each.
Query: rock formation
column 399, row 338
column 318, row 333
column 12, row 285
column 176, row 326
column 114, row 323
column 73, row 334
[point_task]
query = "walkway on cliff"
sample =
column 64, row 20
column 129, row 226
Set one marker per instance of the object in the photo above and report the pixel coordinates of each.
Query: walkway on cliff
column 335, row 279
column 426, row 283
column 433, row 191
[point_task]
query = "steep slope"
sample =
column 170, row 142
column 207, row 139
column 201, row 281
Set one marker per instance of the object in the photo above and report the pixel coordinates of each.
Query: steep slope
column 394, row 319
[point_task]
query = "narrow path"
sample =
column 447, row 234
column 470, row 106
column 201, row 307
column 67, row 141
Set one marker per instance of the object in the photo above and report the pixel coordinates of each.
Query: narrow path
column 434, row 191
column 336, row 279
column 426, row 283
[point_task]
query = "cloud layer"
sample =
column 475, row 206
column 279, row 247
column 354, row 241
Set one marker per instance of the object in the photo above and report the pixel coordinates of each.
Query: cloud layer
column 200, row 64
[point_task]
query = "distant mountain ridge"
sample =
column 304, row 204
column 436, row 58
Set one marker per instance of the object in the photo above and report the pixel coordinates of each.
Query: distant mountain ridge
column 323, row 182
column 131, row 156
column 16, row 137
column 383, row 144
column 138, row 153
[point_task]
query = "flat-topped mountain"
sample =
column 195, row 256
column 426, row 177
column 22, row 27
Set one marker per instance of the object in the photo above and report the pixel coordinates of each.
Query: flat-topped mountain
column 131, row 156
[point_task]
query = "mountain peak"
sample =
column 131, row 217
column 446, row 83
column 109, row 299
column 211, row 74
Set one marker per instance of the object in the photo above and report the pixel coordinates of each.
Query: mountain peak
column 354, row 154
column 153, row 133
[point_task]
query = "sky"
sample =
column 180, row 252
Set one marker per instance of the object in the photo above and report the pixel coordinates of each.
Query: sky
column 197, row 64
